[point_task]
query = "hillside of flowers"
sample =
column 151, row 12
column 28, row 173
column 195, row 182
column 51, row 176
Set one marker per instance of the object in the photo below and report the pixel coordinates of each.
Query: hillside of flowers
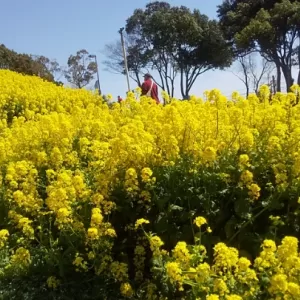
column 191, row 200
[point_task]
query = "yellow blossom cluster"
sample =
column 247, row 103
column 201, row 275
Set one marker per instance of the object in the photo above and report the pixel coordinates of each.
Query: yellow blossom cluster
column 274, row 274
column 80, row 179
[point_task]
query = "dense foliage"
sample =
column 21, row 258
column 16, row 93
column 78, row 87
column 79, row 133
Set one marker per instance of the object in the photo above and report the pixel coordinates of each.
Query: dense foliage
column 270, row 27
column 145, row 201
column 28, row 64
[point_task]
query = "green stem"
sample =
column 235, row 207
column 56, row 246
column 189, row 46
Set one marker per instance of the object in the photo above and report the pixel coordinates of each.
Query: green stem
column 191, row 221
column 247, row 223
column 200, row 236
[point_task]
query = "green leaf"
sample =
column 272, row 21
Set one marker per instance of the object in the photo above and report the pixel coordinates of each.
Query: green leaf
column 173, row 207
column 230, row 227
column 242, row 207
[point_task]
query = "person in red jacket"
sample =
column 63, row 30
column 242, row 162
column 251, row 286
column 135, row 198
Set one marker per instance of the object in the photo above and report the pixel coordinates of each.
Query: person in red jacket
column 149, row 88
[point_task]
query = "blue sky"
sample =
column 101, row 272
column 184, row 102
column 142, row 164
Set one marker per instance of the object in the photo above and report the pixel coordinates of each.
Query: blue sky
column 58, row 28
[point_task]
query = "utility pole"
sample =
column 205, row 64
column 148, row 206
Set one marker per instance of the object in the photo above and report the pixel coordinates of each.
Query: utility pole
column 95, row 57
column 125, row 57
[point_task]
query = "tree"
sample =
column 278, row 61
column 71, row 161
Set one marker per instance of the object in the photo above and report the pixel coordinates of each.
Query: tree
column 269, row 27
column 81, row 69
column 253, row 71
column 28, row 64
column 147, row 28
column 167, row 69
column 296, row 62
column 6, row 57
column 178, row 41
column 50, row 66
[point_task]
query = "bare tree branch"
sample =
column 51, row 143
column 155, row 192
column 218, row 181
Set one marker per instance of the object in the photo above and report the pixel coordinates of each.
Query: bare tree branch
column 254, row 70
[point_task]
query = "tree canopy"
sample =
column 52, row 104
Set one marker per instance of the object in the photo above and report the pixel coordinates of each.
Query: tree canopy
column 174, row 41
column 270, row 27
column 28, row 64
column 81, row 69
column 179, row 41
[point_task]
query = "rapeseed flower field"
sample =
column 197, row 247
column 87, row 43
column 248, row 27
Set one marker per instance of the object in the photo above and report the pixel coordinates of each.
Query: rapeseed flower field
column 196, row 199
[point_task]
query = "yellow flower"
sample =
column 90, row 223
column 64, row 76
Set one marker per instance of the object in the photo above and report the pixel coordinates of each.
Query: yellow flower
column 199, row 221
column 131, row 182
column 287, row 252
column 220, row 286
column 93, row 233
column 209, row 154
column 244, row 160
column 155, row 244
column 244, row 264
column 110, row 232
column 53, row 282
column 269, row 245
column 69, row 159
column 140, row 222
column 254, row 191
column 80, row 264
column 203, row 272
column 212, row 297
column 279, row 284
column 96, row 218
column 21, row 257
column 246, row 177
column 63, row 217
column 276, row 220
column 119, row 271
column 181, row 253
column 24, row 224
column 233, row 297
column 294, row 290
column 126, row 290
column 146, row 174
column 174, row 272
column 131, row 173
column 4, row 234
column 225, row 257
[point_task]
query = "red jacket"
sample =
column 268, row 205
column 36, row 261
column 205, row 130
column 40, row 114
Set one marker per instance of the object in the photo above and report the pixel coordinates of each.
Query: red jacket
column 146, row 87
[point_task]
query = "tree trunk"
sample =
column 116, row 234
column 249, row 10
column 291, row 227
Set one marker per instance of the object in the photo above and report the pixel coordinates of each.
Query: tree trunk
column 247, row 87
column 137, row 76
column 187, row 88
column 287, row 73
column 273, row 85
column 298, row 82
column 167, row 85
column 181, row 83
column 245, row 71
column 172, row 88
column 298, row 79
column 278, row 78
